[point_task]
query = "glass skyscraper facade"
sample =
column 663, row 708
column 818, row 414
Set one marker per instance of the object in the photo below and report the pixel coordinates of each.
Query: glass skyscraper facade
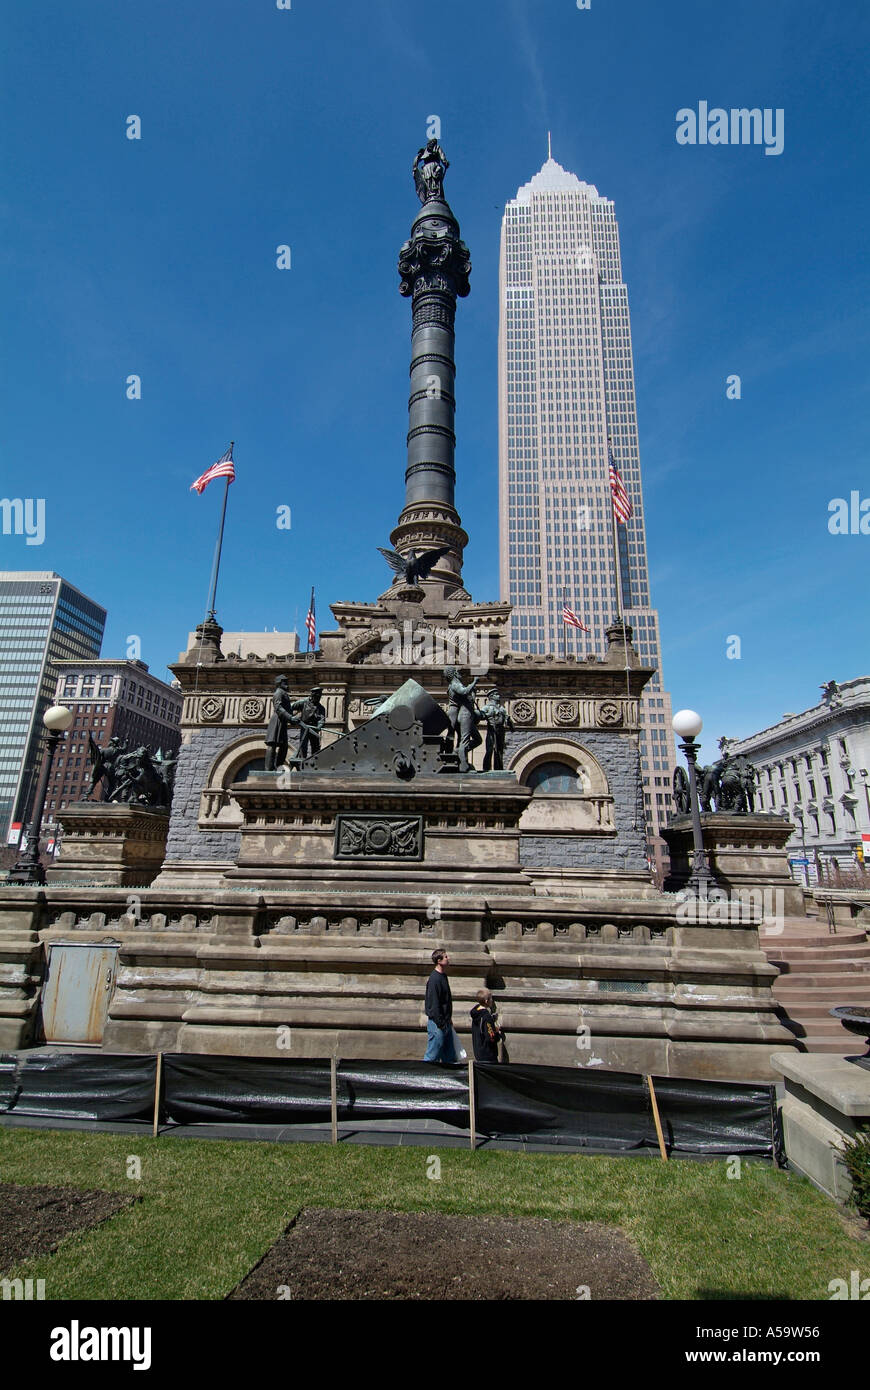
column 43, row 619
column 566, row 394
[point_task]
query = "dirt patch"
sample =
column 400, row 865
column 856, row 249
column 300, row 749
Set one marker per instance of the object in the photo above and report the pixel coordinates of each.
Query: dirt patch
column 34, row 1220
column 329, row 1254
column 858, row 1227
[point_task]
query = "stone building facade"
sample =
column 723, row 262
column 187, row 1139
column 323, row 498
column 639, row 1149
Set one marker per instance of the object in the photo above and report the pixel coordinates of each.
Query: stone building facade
column 576, row 721
column 814, row 769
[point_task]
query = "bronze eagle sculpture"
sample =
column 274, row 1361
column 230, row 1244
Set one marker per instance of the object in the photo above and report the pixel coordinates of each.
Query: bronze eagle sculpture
column 411, row 568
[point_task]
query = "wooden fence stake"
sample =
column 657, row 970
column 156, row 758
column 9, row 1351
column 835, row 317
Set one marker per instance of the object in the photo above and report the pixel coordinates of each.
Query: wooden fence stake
column 656, row 1117
column 157, row 1079
column 333, row 1097
column 472, row 1108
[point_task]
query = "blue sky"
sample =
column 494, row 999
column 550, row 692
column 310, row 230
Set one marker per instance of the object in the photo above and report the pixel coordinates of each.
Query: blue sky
column 263, row 127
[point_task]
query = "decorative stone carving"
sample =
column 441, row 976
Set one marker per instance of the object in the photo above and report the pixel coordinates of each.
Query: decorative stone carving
column 609, row 713
column 212, row 709
column 253, row 710
column 379, row 837
column 523, row 712
column 566, row 712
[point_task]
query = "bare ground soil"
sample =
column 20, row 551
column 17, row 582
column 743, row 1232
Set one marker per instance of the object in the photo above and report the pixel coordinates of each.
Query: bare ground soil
column 338, row 1254
column 34, row 1220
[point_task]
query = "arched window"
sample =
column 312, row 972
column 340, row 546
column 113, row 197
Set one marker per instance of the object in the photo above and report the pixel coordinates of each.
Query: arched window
column 553, row 777
column 248, row 769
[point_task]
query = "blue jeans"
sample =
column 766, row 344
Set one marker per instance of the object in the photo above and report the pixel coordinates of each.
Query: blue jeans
column 440, row 1046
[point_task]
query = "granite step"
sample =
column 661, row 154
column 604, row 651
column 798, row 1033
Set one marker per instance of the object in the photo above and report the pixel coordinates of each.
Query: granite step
column 818, row 1009
column 817, row 1030
column 846, row 965
column 824, row 1028
column 813, row 940
column 800, row 986
column 833, row 1045
column 848, row 951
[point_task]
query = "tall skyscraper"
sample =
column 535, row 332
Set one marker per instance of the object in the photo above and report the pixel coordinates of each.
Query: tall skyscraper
column 566, row 395
column 42, row 620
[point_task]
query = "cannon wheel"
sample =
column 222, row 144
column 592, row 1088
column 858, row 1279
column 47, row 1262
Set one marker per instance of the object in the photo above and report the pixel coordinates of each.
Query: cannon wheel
column 682, row 800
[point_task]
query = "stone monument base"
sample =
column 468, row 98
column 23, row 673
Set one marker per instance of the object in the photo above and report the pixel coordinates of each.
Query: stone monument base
column 744, row 853
column 111, row 843
column 284, row 972
column 827, row 1099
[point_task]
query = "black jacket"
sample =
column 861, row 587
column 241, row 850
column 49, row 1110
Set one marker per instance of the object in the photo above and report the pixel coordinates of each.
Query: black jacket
column 485, row 1034
column 439, row 1002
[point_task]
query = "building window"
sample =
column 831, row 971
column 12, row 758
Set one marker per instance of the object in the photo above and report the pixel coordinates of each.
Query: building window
column 256, row 765
column 548, row 778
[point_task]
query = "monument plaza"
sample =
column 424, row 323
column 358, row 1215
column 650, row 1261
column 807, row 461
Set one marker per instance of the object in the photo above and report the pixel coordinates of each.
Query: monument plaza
column 413, row 783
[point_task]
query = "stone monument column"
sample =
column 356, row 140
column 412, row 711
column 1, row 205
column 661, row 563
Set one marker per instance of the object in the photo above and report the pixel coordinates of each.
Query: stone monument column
column 434, row 266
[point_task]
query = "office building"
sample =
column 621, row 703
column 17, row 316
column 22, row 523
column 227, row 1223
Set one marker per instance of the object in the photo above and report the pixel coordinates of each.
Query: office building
column 566, row 394
column 43, row 620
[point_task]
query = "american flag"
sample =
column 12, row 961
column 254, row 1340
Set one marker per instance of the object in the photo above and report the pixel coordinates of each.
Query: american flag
column 621, row 500
column 570, row 617
column 224, row 468
column 311, row 624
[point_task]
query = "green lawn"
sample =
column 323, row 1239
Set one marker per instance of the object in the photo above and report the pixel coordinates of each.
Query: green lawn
column 210, row 1210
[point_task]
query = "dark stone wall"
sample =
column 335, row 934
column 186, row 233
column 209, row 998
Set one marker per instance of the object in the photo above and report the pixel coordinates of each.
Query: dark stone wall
column 185, row 840
column 616, row 753
column 618, row 756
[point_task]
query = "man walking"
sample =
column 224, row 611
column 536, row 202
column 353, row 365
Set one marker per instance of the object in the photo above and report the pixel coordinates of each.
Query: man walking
column 439, row 1012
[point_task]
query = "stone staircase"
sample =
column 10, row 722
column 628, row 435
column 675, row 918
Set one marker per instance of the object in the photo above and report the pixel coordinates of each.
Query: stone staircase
column 819, row 970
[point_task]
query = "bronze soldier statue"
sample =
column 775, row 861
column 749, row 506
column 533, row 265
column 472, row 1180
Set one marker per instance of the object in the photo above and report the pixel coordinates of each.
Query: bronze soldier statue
column 310, row 715
column 462, row 716
column 498, row 721
column 104, row 764
column 282, row 718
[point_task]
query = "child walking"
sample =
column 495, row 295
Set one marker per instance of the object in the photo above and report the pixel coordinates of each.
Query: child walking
column 485, row 1032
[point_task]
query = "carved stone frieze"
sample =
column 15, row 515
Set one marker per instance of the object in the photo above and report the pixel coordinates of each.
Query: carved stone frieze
column 609, row 713
column 523, row 712
column 211, row 710
column 565, row 712
column 379, row 837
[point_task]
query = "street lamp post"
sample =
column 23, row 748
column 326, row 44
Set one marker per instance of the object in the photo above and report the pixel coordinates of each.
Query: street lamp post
column 799, row 817
column 686, row 724
column 28, row 869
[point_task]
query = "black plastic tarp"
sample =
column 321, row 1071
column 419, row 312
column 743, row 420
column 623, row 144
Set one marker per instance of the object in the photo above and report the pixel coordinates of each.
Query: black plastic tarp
column 8, row 1073
column 601, row 1109
column 248, row 1090
column 604, row 1109
column 716, row 1117
column 613, row 1110
column 69, row 1085
column 253, row 1090
column 403, row 1090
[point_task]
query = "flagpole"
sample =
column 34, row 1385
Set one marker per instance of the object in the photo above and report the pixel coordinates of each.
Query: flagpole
column 616, row 560
column 312, row 619
column 217, row 553
column 564, row 625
